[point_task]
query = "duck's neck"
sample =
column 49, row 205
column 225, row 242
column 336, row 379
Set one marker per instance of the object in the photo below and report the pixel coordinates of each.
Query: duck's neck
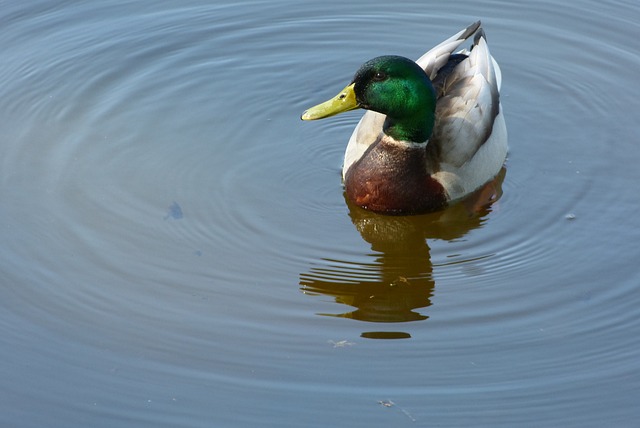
column 416, row 128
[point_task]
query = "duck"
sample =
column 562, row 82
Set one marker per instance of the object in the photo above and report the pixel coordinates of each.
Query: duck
column 433, row 132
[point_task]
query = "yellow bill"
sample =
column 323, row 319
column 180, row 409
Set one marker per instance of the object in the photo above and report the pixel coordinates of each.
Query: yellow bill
column 344, row 101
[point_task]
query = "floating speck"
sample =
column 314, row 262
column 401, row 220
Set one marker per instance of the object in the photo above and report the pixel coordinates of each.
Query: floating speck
column 174, row 211
column 341, row 343
column 570, row 216
column 389, row 403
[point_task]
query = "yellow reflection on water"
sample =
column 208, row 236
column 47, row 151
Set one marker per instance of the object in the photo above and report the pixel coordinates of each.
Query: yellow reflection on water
column 399, row 279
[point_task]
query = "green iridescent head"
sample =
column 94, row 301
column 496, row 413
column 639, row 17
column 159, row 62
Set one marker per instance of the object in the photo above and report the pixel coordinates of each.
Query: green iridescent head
column 394, row 86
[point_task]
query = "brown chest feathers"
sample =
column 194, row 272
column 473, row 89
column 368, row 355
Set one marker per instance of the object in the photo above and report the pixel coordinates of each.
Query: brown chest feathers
column 392, row 178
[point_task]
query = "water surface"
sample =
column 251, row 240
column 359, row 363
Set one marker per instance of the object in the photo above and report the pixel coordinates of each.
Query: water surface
column 177, row 251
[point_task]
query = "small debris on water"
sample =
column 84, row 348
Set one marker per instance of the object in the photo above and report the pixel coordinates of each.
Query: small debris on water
column 570, row 216
column 174, row 211
column 341, row 343
column 389, row 403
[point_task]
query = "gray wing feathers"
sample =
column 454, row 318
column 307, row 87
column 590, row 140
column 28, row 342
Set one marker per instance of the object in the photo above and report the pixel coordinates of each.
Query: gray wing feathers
column 468, row 108
column 438, row 56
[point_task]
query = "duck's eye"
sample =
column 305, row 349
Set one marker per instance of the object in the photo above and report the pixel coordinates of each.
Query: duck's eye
column 379, row 76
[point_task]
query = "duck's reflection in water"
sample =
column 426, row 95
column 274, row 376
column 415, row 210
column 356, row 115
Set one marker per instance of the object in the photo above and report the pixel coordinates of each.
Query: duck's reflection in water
column 399, row 279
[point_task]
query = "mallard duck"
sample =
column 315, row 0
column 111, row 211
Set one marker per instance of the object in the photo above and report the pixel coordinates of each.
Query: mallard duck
column 434, row 131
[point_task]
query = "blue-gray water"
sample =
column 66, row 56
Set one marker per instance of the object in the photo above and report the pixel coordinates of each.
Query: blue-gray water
column 177, row 252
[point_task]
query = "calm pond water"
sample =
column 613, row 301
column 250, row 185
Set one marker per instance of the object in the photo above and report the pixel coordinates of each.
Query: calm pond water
column 177, row 251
